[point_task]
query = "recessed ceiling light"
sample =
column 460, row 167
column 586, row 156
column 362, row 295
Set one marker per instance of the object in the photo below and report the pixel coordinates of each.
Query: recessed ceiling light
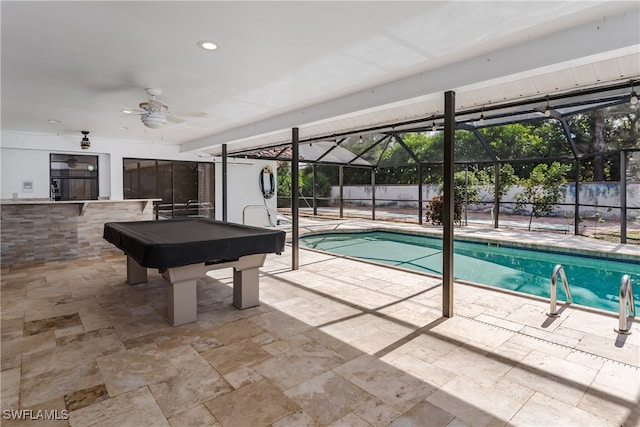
column 54, row 121
column 207, row 45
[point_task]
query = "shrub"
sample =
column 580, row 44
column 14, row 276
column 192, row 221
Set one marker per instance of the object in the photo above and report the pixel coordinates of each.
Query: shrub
column 435, row 211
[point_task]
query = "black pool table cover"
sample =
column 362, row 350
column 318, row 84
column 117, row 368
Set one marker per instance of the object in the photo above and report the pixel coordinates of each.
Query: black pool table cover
column 172, row 243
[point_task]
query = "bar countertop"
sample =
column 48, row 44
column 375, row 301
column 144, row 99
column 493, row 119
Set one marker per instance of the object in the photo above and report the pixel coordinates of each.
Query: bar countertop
column 59, row 202
column 82, row 204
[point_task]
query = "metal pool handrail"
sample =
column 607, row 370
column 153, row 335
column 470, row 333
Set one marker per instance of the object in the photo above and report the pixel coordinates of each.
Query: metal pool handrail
column 626, row 300
column 260, row 207
column 558, row 269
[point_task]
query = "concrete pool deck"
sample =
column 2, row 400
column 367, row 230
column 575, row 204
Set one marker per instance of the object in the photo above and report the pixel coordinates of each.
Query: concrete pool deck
column 337, row 342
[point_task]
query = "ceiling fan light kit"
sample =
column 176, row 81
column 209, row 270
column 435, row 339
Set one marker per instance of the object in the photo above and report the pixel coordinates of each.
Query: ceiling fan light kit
column 155, row 115
column 154, row 119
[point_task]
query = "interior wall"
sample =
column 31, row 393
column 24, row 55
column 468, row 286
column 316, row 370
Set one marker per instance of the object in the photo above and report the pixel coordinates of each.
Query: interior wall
column 19, row 165
column 25, row 157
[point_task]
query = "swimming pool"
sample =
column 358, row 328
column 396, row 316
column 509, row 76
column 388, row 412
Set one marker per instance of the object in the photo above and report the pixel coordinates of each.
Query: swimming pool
column 594, row 281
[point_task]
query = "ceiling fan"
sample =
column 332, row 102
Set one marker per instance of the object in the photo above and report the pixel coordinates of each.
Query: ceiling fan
column 154, row 114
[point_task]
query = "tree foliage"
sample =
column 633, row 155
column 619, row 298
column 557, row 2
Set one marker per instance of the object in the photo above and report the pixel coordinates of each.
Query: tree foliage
column 599, row 134
column 284, row 184
column 507, row 179
column 542, row 190
column 520, row 147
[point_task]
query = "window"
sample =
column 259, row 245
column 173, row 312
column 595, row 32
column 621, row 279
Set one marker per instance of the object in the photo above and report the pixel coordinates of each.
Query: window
column 73, row 177
column 186, row 188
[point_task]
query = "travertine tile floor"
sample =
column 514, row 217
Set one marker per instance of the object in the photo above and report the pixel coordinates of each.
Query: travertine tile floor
column 337, row 342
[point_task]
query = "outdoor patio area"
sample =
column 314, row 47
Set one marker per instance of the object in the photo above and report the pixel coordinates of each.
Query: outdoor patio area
column 337, row 342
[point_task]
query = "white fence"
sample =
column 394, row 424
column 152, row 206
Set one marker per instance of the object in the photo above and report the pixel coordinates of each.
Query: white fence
column 598, row 198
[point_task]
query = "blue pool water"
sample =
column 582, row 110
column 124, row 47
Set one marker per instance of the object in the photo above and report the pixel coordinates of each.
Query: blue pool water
column 594, row 281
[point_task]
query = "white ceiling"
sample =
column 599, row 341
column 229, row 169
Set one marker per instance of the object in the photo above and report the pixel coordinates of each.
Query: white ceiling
column 321, row 66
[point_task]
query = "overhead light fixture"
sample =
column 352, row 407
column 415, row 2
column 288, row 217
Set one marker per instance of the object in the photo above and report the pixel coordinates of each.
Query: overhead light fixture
column 55, row 122
column 154, row 119
column 434, row 127
column 360, row 140
column 481, row 122
column 207, row 45
column 633, row 98
column 547, row 110
column 85, row 143
column 127, row 111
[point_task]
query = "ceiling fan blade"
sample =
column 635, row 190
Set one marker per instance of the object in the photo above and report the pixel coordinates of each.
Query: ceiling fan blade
column 173, row 119
column 189, row 114
column 156, row 114
column 133, row 112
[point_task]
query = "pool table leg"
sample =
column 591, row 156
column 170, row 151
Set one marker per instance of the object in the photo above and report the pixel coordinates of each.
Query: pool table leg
column 182, row 306
column 245, row 288
column 135, row 272
column 245, row 281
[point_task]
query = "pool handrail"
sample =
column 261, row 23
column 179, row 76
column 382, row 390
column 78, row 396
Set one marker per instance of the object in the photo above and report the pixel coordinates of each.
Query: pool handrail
column 626, row 300
column 558, row 269
column 269, row 211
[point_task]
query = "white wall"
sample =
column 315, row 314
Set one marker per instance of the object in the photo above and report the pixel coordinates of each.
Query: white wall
column 25, row 157
column 591, row 193
column 24, row 165
column 244, row 190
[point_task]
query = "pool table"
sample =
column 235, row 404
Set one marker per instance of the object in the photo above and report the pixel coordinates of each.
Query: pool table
column 183, row 250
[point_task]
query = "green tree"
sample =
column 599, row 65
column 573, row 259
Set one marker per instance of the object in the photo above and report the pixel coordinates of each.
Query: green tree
column 323, row 183
column 466, row 186
column 506, row 180
column 284, row 184
column 305, row 183
column 599, row 134
column 542, row 190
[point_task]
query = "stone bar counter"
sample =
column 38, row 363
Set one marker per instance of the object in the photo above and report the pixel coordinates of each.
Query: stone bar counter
column 43, row 230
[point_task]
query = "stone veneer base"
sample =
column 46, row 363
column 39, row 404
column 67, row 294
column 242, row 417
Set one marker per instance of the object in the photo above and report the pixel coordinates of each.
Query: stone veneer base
column 56, row 231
